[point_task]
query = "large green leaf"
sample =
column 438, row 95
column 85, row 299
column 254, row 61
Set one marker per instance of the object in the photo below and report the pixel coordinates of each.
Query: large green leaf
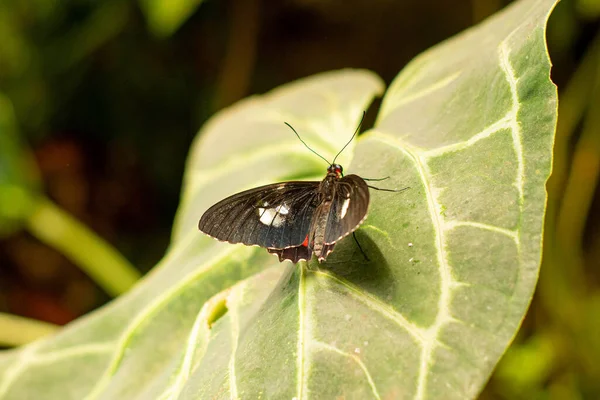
column 454, row 260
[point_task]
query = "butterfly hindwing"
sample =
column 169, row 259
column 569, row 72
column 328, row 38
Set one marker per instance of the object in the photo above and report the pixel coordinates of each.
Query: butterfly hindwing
column 297, row 253
column 294, row 254
column 348, row 209
column 274, row 216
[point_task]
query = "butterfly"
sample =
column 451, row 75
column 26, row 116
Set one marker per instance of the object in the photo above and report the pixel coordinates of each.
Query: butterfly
column 294, row 219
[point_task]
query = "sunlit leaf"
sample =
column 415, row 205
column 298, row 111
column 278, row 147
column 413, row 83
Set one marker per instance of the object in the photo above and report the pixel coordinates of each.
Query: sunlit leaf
column 468, row 126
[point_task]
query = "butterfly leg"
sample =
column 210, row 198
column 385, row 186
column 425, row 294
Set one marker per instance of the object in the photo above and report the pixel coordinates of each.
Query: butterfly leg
column 360, row 247
column 389, row 190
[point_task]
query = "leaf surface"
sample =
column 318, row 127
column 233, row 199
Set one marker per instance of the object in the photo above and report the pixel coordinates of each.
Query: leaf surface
column 468, row 126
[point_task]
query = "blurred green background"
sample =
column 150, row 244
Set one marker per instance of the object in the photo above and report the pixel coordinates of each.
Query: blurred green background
column 99, row 102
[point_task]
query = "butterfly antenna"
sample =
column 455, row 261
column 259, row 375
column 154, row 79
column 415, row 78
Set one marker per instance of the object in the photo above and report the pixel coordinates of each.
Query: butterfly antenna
column 304, row 143
column 355, row 132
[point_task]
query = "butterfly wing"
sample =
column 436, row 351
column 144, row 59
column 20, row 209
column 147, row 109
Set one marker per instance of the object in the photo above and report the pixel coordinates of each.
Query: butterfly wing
column 348, row 209
column 275, row 216
column 297, row 253
column 294, row 254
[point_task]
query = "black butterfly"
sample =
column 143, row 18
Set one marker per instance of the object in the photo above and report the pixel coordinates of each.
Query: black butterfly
column 293, row 219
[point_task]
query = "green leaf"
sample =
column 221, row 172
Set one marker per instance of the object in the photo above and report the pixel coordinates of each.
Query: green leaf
column 18, row 330
column 468, row 126
column 165, row 17
column 19, row 181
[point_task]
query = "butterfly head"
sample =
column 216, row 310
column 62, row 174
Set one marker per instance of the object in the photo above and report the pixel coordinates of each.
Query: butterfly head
column 336, row 169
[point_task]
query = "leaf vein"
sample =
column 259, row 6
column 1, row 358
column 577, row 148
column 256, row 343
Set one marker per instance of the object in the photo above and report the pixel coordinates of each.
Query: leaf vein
column 443, row 313
column 513, row 234
column 235, row 335
column 12, row 374
column 376, row 304
column 55, row 356
column 509, row 72
column 356, row 359
column 191, row 347
column 146, row 313
column 502, row 123
column 443, row 82
column 301, row 334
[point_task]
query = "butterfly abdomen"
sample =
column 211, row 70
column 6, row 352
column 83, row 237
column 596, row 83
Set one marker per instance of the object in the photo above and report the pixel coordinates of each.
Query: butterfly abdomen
column 322, row 214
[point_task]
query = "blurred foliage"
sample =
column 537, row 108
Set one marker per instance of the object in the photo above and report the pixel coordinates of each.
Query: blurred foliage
column 18, row 176
column 109, row 95
column 164, row 17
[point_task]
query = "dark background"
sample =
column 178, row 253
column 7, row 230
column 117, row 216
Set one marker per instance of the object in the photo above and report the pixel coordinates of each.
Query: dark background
column 108, row 109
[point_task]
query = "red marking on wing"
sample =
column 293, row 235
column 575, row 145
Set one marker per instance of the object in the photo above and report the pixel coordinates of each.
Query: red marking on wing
column 305, row 243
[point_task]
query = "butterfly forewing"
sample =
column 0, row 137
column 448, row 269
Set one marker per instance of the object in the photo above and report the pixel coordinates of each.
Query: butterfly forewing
column 273, row 216
column 348, row 209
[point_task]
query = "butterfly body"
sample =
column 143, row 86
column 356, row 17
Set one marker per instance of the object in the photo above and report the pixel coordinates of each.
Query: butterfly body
column 292, row 219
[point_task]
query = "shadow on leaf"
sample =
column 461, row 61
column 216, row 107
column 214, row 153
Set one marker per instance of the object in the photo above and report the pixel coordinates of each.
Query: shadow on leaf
column 347, row 262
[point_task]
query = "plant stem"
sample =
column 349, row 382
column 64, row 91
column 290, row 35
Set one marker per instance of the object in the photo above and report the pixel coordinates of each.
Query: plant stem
column 17, row 331
column 109, row 269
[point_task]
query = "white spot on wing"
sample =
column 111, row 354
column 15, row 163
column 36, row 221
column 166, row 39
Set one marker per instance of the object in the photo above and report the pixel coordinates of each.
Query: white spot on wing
column 345, row 207
column 273, row 216
column 282, row 209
